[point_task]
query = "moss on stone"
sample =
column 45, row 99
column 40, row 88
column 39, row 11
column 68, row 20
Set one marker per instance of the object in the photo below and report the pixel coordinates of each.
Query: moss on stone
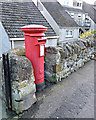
column 21, row 85
column 54, row 78
column 20, row 51
column 64, row 73
column 57, row 68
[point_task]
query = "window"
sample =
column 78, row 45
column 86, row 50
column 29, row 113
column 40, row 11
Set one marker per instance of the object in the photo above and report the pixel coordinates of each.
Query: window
column 74, row 3
column 77, row 4
column 66, row 3
column 66, row 32
column 69, row 33
column 79, row 15
column 72, row 15
column 80, row 4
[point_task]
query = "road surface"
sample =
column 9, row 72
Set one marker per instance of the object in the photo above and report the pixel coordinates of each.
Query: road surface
column 73, row 97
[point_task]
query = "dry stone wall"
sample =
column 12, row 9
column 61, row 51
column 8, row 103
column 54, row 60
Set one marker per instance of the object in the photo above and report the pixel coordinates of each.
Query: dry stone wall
column 61, row 61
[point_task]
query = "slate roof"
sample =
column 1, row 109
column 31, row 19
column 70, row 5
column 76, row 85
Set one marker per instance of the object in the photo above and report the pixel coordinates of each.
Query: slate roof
column 61, row 17
column 91, row 10
column 17, row 14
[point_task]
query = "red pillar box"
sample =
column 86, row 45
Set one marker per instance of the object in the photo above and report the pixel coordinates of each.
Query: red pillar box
column 35, row 50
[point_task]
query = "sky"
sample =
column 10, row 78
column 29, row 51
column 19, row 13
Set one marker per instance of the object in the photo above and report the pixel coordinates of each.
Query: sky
column 90, row 1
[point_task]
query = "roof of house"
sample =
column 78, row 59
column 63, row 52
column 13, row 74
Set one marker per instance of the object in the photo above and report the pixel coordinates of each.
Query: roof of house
column 61, row 17
column 91, row 10
column 17, row 14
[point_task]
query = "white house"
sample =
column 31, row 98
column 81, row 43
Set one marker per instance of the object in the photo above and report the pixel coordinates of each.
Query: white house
column 81, row 12
column 64, row 26
column 80, row 17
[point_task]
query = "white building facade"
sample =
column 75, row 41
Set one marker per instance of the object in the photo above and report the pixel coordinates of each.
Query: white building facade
column 66, row 2
column 81, row 18
column 64, row 33
column 71, row 3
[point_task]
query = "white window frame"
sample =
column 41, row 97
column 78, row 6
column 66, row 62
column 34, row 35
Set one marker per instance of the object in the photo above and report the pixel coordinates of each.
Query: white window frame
column 72, row 15
column 66, row 3
column 79, row 15
column 69, row 36
column 79, row 4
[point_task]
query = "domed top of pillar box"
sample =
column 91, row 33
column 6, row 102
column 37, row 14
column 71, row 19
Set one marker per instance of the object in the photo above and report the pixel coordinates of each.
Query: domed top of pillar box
column 34, row 30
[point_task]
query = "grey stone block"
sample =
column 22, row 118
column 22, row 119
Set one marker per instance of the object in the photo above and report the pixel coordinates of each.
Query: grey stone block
column 20, row 105
column 22, row 80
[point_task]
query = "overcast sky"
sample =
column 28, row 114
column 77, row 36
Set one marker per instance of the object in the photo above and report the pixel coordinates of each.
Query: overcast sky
column 90, row 1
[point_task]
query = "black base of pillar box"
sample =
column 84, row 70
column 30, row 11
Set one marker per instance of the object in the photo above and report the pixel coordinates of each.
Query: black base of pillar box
column 40, row 86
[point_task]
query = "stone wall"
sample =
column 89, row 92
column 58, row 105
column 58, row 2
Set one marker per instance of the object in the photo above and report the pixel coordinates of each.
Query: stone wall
column 22, row 80
column 61, row 61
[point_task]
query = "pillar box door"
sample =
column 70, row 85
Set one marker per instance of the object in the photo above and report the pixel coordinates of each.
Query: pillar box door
column 35, row 50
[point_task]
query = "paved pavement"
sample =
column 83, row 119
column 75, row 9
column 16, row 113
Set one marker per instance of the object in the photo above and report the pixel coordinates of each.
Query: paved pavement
column 73, row 97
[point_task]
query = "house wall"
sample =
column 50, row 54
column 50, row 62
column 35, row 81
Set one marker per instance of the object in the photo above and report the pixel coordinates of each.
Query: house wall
column 53, row 41
column 80, row 20
column 77, row 1
column 0, row 41
column 5, row 43
column 63, row 34
column 93, row 25
column 71, row 3
column 50, row 42
column 19, row 43
column 77, row 18
column 66, row 2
